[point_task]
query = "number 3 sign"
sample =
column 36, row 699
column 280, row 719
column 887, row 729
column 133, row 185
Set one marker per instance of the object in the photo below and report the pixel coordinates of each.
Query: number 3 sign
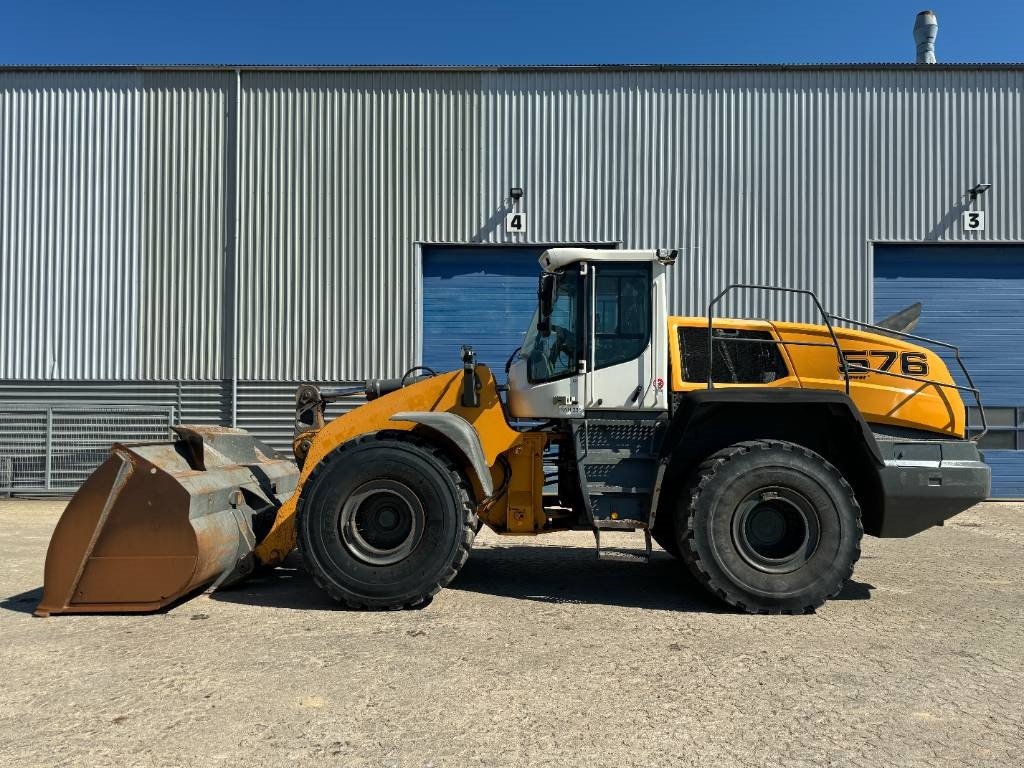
column 973, row 221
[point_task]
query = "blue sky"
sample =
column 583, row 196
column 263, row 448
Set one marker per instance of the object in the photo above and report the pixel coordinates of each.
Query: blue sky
column 506, row 32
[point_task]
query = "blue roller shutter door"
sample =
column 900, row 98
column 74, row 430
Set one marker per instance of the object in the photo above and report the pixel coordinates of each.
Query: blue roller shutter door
column 972, row 296
column 484, row 297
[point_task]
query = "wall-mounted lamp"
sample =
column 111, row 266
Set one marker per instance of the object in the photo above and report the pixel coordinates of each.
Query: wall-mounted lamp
column 516, row 193
column 979, row 189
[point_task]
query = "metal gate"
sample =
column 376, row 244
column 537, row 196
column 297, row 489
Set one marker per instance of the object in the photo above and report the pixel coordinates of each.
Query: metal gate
column 53, row 448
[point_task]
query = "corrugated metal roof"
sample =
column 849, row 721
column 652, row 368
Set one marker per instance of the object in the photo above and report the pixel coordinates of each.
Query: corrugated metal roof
column 799, row 66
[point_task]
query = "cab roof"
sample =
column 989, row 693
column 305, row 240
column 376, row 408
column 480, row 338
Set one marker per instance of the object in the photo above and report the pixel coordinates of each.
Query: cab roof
column 554, row 259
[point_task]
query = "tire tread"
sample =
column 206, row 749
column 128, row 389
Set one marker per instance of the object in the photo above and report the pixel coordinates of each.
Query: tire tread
column 704, row 475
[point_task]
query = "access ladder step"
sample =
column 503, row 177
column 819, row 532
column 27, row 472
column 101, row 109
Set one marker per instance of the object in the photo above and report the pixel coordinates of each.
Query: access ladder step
column 633, row 555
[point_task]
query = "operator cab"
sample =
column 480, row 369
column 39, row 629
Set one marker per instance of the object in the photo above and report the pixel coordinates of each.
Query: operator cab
column 597, row 341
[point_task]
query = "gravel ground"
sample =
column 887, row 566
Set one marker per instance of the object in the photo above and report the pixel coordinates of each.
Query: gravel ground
column 538, row 654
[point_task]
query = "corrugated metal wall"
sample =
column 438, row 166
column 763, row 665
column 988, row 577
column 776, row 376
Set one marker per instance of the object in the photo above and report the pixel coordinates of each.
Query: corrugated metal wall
column 267, row 409
column 126, row 195
column 112, row 216
column 780, row 177
column 341, row 174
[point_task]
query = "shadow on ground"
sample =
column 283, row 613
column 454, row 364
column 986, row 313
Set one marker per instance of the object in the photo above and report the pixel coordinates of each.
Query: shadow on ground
column 287, row 586
column 544, row 574
column 26, row 602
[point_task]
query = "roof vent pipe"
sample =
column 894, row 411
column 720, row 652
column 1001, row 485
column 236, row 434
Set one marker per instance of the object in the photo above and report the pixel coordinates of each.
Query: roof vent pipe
column 926, row 28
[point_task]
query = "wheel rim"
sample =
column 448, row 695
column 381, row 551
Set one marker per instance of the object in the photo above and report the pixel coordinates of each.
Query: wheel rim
column 381, row 522
column 776, row 529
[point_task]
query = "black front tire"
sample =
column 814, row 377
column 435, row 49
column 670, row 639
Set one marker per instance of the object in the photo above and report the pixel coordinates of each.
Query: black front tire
column 769, row 527
column 385, row 521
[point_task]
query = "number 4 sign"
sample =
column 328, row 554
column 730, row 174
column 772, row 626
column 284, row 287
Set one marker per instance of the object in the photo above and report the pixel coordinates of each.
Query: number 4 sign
column 973, row 221
column 515, row 222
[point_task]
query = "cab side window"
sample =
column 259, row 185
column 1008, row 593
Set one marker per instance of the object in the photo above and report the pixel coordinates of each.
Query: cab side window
column 622, row 312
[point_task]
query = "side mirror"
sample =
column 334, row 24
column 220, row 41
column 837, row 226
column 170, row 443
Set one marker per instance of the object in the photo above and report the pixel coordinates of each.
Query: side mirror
column 546, row 300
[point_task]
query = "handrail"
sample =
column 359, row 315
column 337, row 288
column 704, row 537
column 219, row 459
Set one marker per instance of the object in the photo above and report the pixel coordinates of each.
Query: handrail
column 844, row 366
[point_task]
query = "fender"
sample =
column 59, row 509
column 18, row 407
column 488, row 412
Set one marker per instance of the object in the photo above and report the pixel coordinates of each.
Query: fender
column 438, row 395
column 828, row 422
column 741, row 413
column 462, row 436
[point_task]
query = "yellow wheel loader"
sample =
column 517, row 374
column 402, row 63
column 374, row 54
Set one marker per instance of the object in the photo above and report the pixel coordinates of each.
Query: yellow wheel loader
column 756, row 452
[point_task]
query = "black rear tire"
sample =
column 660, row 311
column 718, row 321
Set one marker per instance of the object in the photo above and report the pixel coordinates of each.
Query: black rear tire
column 664, row 532
column 769, row 527
column 385, row 521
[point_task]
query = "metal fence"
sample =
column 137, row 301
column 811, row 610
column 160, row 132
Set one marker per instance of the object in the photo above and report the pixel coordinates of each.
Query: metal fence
column 52, row 448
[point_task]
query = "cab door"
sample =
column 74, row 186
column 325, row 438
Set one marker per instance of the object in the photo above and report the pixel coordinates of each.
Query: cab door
column 625, row 358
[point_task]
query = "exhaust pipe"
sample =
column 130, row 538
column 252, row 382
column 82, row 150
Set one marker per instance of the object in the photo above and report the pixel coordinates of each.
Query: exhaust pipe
column 926, row 29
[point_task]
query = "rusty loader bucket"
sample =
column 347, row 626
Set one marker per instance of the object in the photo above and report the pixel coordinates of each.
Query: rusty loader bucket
column 158, row 521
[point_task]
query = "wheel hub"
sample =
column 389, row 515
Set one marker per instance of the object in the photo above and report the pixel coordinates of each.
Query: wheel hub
column 775, row 529
column 381, row 522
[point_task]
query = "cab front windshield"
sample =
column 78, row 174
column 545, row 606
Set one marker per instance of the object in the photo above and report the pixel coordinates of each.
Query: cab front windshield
column 554, row 355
